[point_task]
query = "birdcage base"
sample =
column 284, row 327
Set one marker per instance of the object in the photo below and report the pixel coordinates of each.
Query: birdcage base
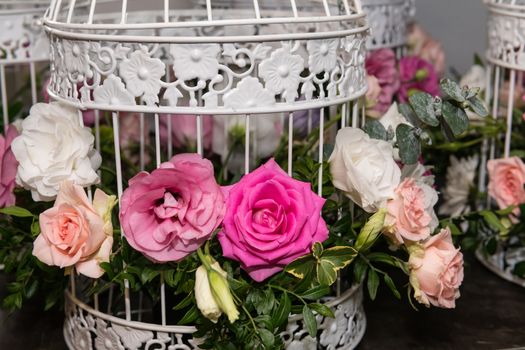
column 86, row 328
column 502, row 263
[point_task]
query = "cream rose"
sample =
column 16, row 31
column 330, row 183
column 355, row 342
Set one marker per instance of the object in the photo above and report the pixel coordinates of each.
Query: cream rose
column 52, row 148
column 364, row 169
column 436, row 271
column 75, row 232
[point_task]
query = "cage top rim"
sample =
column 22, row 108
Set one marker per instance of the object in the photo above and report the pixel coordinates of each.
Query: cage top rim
column 510, row 6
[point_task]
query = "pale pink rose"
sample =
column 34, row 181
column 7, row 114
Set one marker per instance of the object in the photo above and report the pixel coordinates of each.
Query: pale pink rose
column 271, row 220
column 506, row 181
column 410, row 214
column 416, row 38
column 75, row 232
column 372, row 96
column 170, row 213
column 8, row 168
column 518, row 100
column 184, row 130
column 433, row 52
column 436, row 270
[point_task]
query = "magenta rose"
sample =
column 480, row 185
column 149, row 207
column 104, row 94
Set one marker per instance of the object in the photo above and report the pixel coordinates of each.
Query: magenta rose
column 416, row 74
column 382, row 65
column 170, row 213
column 8, row 168
column 271, row 219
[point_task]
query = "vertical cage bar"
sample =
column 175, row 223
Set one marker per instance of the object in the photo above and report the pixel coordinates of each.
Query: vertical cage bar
column 92, row 11
column 294, row 8
column 310, row 122
column 347, row 7
column 257, row 9
column 157, row 140
column 120, row 189
column 57, row 9
column 208, row 10
column 343, row 116
column 510, row 110
column 71, row 9
column 326, row 8
column 142, row 146
column 355, row 115
column 485, row 144
column 321, row 151
column 290, row 143
column 32, row 74
column 97, row 130
column 169, row 126
column 3, row 87
column 199, row 135
column 166, row 11
column 247, row 144
column 124, row 11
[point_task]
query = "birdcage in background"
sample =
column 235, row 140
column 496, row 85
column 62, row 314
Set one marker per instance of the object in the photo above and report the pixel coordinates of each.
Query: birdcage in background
column 24, row 49
column 388, row 21
column 249, row 65
column 504, row 94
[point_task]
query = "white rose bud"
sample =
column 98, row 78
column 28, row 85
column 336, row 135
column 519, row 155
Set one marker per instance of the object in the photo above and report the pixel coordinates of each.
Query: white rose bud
column 364, row 169
column 205, row 301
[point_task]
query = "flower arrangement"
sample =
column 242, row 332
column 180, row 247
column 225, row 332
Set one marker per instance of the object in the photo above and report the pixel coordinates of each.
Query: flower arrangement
column 255, row 248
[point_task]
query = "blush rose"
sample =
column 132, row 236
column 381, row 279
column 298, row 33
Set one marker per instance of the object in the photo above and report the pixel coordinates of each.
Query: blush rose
column 271, row 219
column 507, row 178
column 170, row 213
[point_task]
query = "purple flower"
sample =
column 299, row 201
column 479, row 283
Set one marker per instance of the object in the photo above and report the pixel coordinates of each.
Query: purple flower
column 416, row 74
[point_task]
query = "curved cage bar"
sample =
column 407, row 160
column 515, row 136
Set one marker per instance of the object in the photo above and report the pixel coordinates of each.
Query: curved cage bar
column 503, row 94
column 200, row 60
column 388, row 20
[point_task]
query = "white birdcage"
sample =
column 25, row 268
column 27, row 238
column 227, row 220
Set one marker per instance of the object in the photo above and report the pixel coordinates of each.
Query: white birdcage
column 23, row 45
column 388, row 21
column 239, row 59
column 504, row 89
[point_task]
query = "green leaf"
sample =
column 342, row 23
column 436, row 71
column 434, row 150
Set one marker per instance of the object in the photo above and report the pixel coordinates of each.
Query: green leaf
column 317, row 250
column 492, row 220
column 35, row 228
column 391, row 286
column 370, row 231
column 17, row 212
column 491, row 246
column 147, row 275
column 452, row 90
column 310, row 321
column 408, row 143
column 455, row 117
column 265, row 305
column 322, row 309
column 372, row 283
column 280, row 317
column 190, row 316
column 340, row 256
column 301, row 267
column 408, row 113
column 478, row 107
column 478, row 60
column 316, row 292
column 326, row 272
column 184, row 302
column 519, row 269
column 423, row 105
column 375, row 129
column 360, row 268
column 267, row 338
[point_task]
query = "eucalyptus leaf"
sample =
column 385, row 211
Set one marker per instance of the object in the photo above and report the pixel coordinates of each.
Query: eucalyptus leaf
column 455, row 117
column 375, row 130
column 423, row 105
column 408, row 143
column 409, row 114
column 310, row 321
column 478, row 107
column 452, row 90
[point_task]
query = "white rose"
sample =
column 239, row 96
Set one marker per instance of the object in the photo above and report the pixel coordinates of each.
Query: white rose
column 52, row 148
column 265, row 135
column 392, row 119
column 475, row 77
column 364, row 169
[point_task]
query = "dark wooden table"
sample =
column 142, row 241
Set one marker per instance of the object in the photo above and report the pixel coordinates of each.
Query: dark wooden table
column 490, row 315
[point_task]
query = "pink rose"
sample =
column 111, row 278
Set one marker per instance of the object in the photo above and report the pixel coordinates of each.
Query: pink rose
column 382, row 64
column 129, row 124
column 410, row 214
column 170, row 213
column 8, row 168
column 372, row 96
column 75, row 232
column 416, row 74
column 184, row 130
column 271, row 219
column 506, row 181
column 436, row 271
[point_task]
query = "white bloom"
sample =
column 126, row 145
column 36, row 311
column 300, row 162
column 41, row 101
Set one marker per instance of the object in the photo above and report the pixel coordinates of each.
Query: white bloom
column 53, row 147
column 249, row 93
column 475, row 77
column 282, row 73
column 323, row 55
column 76, row 56
column 205, row 301
column 364, row 169
column 192, row 61
column 460, row 179
column 113, row 92
column 142, row 75
column 265, row 135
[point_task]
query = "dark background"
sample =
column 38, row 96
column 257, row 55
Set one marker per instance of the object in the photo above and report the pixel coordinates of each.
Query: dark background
column 489, row 315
